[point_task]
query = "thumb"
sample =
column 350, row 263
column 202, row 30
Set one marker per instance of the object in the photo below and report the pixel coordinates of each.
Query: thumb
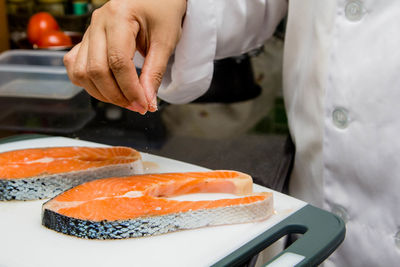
column 155, row 64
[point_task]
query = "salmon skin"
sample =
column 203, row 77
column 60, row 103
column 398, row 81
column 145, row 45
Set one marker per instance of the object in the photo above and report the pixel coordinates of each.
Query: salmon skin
column 39, row 173
column 137, row 206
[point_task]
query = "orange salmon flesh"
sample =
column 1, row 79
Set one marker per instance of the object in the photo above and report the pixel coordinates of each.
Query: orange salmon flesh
column 44, row 161
column 122, row 198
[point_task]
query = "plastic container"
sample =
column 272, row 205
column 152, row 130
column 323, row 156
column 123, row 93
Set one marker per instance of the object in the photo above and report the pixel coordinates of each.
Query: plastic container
column 36, row 94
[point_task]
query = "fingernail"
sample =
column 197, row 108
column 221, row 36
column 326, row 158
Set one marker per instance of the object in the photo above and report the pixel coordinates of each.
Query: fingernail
column 137, row 108
column 153, row 104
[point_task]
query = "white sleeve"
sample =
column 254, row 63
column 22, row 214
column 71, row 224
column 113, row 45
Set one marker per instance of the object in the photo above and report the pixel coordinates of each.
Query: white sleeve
column 215, row 29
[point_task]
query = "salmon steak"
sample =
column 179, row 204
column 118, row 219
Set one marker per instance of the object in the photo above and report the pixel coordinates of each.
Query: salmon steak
column 138, row 206
column 38, row 173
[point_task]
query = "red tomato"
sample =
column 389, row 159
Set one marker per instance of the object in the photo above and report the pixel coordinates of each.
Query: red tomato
column 39, row 24
column 54, row 38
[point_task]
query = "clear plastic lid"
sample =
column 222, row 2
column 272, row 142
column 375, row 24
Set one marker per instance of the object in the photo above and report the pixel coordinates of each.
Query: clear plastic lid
column 35, row 74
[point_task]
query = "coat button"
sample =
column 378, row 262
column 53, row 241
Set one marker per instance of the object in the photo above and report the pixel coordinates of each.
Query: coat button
column 341, row 212
column 340, row 118
column 354, row 10
column 397, row 239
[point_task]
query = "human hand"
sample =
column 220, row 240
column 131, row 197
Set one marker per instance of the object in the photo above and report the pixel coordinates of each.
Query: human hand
column 103, row 62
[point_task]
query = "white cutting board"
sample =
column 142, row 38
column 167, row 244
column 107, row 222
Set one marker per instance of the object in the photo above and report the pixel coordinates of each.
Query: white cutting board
column 24, row 242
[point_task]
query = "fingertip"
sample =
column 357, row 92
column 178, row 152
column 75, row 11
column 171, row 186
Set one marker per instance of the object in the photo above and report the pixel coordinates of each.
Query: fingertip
column 150, row 90
column 137, row 108
column 152, row 107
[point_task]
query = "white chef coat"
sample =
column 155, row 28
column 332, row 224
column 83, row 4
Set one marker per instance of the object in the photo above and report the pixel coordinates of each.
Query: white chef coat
column 215, row 29
column 342, row 95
